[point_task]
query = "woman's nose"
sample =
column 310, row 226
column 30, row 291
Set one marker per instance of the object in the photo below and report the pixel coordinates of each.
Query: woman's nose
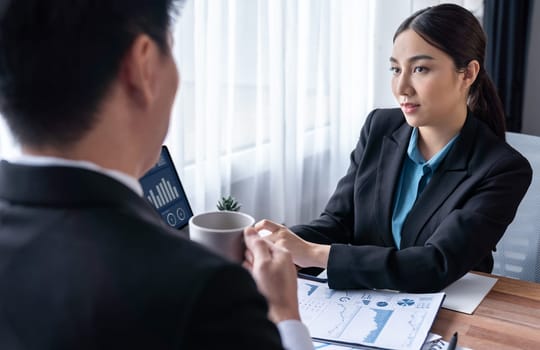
column 403, row 85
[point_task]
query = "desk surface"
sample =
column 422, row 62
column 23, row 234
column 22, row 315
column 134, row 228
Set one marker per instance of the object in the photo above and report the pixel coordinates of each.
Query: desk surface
column 508, row 318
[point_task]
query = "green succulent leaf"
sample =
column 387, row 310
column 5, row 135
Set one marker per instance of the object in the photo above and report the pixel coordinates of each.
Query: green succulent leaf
column 228, row 203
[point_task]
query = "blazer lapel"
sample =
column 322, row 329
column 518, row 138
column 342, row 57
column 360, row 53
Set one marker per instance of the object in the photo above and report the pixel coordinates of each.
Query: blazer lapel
column 451, row 172
column 394, row 149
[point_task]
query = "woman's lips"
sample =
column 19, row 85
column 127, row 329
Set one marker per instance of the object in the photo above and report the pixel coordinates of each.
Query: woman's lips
column 409, row 107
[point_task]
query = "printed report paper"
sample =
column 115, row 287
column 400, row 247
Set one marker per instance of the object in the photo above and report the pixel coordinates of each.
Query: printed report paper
column 465, row 294
column 373, row 318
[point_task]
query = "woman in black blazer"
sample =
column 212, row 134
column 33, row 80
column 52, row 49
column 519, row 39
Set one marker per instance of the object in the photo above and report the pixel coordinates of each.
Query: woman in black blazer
column 431, row 186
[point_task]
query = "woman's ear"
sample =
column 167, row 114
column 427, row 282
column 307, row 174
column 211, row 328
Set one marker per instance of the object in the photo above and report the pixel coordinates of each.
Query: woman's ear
column 471, row 73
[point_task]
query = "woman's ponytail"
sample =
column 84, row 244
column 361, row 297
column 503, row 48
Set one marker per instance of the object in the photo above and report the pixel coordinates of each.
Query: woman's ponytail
column 485, row 104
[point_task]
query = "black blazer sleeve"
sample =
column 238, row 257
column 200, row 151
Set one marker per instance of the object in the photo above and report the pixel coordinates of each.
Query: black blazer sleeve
column 452, row 228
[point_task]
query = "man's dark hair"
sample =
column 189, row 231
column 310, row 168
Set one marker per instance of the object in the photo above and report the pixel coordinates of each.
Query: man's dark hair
column 59, row 57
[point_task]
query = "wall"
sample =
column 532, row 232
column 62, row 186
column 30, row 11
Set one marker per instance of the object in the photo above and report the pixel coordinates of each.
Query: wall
column 531, row 102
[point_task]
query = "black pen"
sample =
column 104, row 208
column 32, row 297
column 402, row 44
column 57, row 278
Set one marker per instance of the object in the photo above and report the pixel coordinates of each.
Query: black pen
column 453, row 342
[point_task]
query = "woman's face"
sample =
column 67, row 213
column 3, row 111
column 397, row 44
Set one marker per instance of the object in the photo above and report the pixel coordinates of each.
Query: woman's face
column 426, row 84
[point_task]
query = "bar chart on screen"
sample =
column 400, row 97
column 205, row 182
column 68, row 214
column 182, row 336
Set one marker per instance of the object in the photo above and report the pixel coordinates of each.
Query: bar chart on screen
column 163, row 190
column 162, row 194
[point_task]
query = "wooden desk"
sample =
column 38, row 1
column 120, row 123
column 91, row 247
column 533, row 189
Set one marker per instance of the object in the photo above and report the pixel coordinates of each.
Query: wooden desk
column 508, row 318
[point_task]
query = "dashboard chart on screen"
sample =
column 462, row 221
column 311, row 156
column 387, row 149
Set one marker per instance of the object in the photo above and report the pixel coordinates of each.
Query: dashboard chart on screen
column 163, row 189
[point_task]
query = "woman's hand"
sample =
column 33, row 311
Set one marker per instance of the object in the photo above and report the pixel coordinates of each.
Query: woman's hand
column 304, row 253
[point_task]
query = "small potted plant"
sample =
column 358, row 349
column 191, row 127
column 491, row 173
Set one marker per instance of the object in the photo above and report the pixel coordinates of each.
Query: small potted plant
column 228, row 203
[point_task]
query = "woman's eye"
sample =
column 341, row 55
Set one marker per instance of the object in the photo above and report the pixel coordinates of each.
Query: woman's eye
column 420, row 69
column 395, row 70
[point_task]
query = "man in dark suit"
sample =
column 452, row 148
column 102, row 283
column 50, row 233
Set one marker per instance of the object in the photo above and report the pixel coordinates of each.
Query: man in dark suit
column 87, row 87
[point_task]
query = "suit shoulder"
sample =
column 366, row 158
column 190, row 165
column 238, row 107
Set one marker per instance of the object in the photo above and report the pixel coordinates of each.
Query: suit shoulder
column 135, row 239
column 494, row 145
column 385, row 119
column 495, row 155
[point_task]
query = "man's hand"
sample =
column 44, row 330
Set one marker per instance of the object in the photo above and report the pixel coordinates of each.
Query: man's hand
column 275, row 274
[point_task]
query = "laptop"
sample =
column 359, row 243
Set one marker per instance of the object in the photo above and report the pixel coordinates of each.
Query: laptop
column 164, row 191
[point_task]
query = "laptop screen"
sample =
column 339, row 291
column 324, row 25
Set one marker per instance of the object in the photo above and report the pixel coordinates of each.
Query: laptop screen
column 163, row 189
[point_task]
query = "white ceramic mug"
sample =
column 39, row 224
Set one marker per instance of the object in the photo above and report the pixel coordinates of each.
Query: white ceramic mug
column 221, row 232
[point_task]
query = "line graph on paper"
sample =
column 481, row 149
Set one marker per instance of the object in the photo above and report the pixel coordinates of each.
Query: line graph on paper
column 347, row 316
column 374, row 318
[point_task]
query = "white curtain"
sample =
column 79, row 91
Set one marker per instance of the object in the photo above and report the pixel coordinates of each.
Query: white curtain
column 273, row 96
column 8, row 147
column 272, row 99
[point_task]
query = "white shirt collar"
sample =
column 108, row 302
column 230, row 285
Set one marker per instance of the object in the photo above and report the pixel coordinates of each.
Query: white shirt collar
column 127, row 180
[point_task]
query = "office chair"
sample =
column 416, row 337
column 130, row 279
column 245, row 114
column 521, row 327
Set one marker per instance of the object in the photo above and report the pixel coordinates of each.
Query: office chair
column 518, row 252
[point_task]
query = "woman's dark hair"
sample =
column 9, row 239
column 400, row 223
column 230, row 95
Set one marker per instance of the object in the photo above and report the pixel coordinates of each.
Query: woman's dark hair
column 59, row 57
column 455, row 31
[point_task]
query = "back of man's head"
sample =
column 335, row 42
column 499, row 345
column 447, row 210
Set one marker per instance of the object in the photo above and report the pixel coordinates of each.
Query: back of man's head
column 59, row 57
